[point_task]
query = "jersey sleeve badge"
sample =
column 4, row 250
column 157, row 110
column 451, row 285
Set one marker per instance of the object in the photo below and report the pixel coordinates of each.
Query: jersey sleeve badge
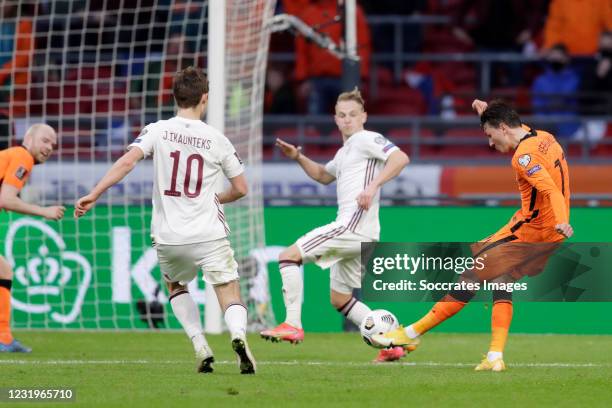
column 524, row 160
column 534, row 170
column 380, row 140
column 21, row 173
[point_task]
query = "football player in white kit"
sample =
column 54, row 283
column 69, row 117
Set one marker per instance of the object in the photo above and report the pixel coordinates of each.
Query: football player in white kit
column 188, row 225
column 363, row 164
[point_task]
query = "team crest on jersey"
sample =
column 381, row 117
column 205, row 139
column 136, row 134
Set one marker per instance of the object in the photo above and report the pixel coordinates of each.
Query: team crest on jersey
column 524, row 160
column 21, row 173
column 380, row 140
column 534, row 170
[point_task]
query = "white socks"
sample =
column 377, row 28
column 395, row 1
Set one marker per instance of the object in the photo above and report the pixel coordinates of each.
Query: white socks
column 187, row 313
column 494, row 355
column 293, row 288
column 355, row 311
column 410, row 332
column 236, row 320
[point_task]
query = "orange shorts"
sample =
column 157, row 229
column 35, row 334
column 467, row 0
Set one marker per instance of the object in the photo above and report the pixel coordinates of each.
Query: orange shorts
column 512, row 252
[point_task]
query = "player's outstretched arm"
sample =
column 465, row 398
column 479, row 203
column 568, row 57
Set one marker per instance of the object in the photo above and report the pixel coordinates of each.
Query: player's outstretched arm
column 313, row 169
column 238, row 189
column 10, row 201
column 116, row 173
column 393, row 166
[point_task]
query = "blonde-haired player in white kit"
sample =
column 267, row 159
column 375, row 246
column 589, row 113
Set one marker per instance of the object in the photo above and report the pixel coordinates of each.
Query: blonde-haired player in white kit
column 364, row 163
column 188, row 225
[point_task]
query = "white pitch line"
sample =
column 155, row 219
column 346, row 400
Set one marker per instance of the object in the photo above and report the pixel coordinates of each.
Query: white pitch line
column 297, row 363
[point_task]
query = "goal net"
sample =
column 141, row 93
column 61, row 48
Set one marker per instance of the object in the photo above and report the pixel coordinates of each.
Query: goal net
column 98, row 72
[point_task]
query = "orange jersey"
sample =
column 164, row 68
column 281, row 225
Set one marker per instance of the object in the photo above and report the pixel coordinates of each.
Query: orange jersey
column 15, row 166
column 543, row 179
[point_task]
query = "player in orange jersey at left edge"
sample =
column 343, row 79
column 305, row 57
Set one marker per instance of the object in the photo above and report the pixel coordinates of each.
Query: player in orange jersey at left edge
column 16, row 164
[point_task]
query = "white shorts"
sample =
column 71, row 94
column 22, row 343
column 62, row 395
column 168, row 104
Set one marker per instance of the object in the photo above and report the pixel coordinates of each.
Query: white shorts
column 180, row 263
column 334, row 246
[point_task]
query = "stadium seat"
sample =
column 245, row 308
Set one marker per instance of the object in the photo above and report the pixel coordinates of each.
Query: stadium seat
column 384, row 76
column 75, row 143
column 401, row 100
column 473, row 132
column 520, row 97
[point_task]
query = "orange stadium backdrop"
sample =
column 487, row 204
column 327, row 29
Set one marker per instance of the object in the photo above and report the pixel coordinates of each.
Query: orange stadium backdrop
column 468, row 181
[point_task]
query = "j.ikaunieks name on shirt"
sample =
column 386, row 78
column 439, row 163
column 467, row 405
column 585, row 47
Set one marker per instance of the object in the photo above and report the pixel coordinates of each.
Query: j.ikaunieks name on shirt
column 187, row 140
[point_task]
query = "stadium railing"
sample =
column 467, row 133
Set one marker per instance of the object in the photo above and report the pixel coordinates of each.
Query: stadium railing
column 431, row 139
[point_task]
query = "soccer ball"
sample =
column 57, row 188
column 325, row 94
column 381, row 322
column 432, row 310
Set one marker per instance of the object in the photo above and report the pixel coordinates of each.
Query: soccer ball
column 378, row 321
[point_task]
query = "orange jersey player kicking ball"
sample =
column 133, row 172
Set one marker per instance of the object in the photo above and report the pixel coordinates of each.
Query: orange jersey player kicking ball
column 16, row 164
column 519, row 248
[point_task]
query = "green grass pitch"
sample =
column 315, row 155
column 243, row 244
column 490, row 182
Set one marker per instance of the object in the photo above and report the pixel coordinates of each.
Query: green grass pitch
column 131, row 369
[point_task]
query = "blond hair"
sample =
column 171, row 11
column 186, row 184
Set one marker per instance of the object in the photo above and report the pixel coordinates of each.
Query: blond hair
column 353, row 95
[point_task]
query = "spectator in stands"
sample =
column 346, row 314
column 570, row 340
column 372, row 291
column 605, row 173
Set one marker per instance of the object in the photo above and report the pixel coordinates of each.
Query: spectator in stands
column 317, row 70
column 577, row 24
column 499, row 26
column 279, row 96
column 505, row 25
column 293, row 7
column 597, row 82
column 16, row 48
column 383, row 35
column 597, row 91
column 553, row 92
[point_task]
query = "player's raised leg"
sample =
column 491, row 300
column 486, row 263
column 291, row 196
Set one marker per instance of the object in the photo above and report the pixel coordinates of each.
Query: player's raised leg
column 408, row 337
column 7, row 343
column 188, row 314
column 501, row 317
column 236, row 319
column 293, row 288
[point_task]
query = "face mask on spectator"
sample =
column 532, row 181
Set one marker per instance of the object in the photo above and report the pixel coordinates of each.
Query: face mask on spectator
column 556, row 66
column 606, row 53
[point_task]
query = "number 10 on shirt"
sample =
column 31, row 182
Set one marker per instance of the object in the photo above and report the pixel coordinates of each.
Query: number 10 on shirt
column 176, row 157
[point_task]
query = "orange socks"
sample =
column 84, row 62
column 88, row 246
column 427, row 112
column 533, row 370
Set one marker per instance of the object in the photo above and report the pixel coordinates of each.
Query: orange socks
column 441, row 311
column 5, row 311
column 500, row 324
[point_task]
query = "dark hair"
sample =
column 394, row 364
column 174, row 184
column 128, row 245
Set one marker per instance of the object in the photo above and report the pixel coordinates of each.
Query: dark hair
column 188, row 87
column 499, row 112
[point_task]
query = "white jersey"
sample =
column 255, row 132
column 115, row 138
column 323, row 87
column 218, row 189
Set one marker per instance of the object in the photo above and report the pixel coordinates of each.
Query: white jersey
column 355, row 165
column 189, row 156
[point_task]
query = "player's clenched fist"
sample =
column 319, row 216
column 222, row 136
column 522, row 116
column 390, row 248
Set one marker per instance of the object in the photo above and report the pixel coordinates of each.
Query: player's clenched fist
column 54, row 212
column 288, row 149
column 479, row 106
column 565, row 229
column 364, row 199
